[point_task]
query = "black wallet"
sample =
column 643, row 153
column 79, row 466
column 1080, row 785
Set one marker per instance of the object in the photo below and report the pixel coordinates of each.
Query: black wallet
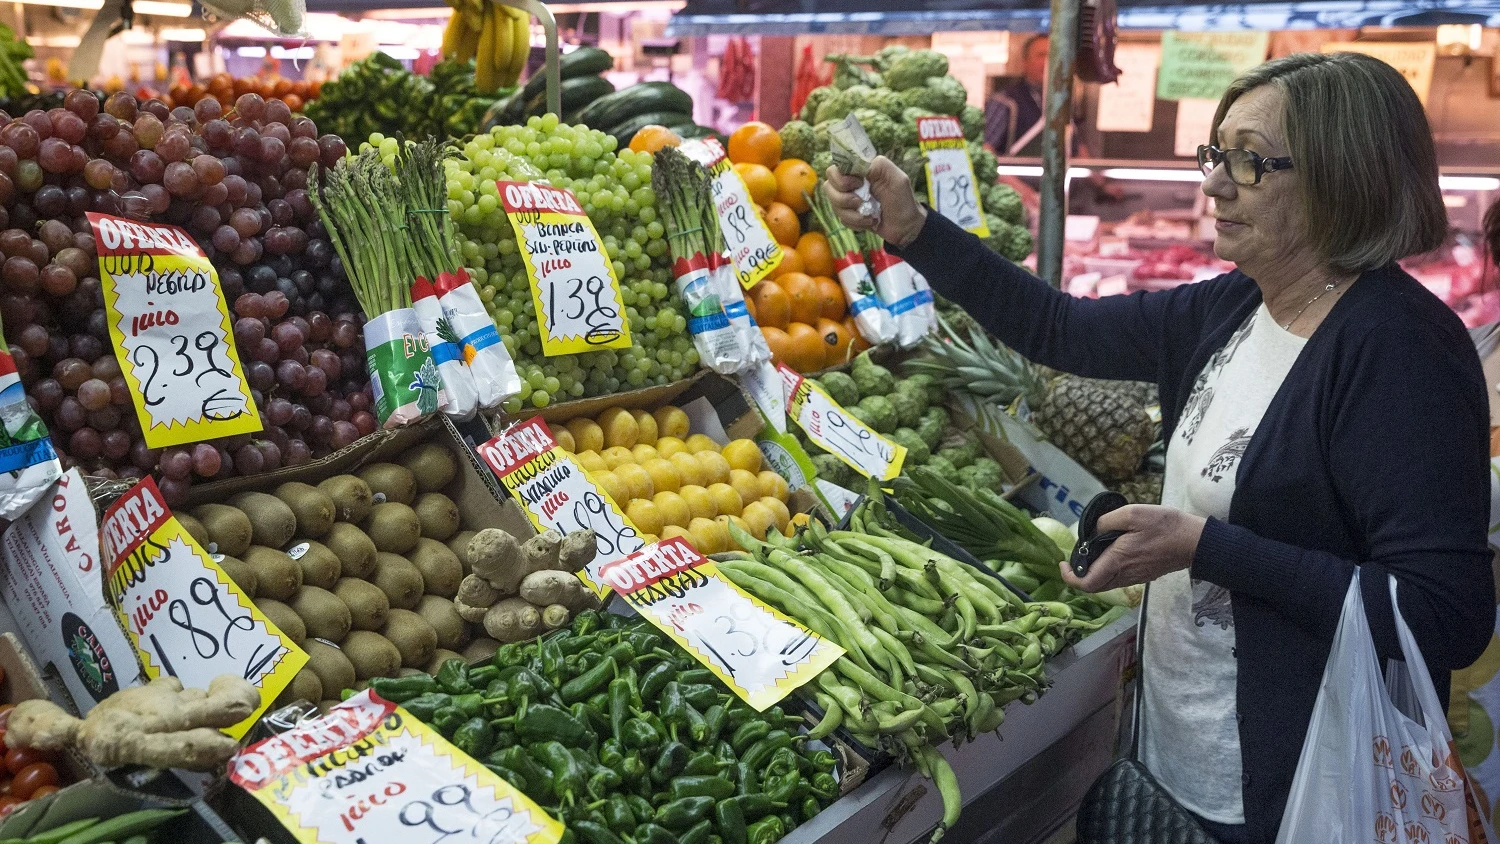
column 1091, row 543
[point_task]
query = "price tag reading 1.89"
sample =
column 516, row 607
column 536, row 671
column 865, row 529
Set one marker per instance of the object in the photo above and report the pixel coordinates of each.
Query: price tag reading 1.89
column 171, row 332
column 573, row 282
column 838, row 433
column 951, row 186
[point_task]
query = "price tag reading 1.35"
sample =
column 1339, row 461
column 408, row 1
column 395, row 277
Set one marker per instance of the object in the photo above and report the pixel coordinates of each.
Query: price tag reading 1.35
column 840, row 434
column 185, row 616
column 761, row 654
column 573, row 282
column 951, row 186
column 557, row 493
column 752, row 249
column 171, row 331
column 368, row 771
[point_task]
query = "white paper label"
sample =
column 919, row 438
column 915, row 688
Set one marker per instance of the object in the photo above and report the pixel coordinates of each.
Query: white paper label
column 840, row 434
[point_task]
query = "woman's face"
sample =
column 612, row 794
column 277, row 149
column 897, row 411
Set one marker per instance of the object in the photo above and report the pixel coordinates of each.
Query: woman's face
column 1260, row 227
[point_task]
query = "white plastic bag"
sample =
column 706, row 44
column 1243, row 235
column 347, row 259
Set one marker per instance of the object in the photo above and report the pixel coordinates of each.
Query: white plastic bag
column 1368, row 772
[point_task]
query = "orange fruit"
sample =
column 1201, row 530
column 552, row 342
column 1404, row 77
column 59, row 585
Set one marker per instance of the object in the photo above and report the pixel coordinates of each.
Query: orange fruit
column 755, row 143
column 860, row 343
column 817, row 258
column 750, row 306
column 836, row 340
column 791, row 262
column 834, row 303
column 653, row 137
column 777, row 340
column 773, row 307
column 784, row 225
column 759, row 180
column 794, row 179
column 802, row 291
column 804, row 347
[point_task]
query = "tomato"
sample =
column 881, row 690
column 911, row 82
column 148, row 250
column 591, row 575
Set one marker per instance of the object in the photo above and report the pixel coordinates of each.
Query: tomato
column 20, row 757
column 31, row 778
column 44, row 791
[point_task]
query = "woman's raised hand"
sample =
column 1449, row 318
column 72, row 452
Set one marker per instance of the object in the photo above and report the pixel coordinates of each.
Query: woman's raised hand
column 901, row 216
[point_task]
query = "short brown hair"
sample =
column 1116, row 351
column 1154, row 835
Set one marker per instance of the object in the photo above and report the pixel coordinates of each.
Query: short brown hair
column 1362, row 155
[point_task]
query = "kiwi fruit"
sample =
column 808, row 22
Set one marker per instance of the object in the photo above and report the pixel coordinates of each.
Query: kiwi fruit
column 228, row 528
column 437, row 515
column 393, row 527
column 333, row 668
column 272, row 523
column 277, row 575
column 312, row 507
column 320, row 566
column 399, row 580
column 354, row 549
column 458, row 543
column 351, row 497
column 321, row 611
column 326, row 706
column 452, row 631
column 194, row 528
column 285, row 618
column 441, row 571
column 305, row 685
column 368, row 606
column 394, row 483
column 409, row 672
column 240, row 572
column 482, row 648
column 372, row 655
column 432, row 466
column 412, row 636
column 440, row 656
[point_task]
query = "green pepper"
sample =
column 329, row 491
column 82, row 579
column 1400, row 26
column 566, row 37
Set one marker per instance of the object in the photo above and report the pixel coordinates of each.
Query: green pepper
column 823, row 761
column 766, row 831
column 697, row 675
column 672, row 759
column 724, row 752
column 552, row 659
column 739, row 715
column 633, row 770
column 619, row 705
column 824, row 786
column 698, row 834
column 595, row 833
column 471, row 705
column 697, row 726
column 644, row 641
column 517, row 759
column 589, row 682
column 701, row 786
column 617, row 814
column 760, row 752
column 403, row 689
column 713, row 721
column 515, row 778
column 703, row 763
column 453, row 676
column 748, row 734
column 475, row 737
column 448, row 719
column 782, row 788
column 622, row 653
column 567, row 775
column 642, row 808
column 681, row 814
column 588, row 717
column 611, row 754
column 640, row 735
column 503, row 738
column 650, row 833
column 758, row 805
column 507, row 656
column 701, row 695
column 585, row 622
column 810, row 808
column 544, row 721
column 731, row 821
column 425, row 706
column 747, row 780
column 577, row 645
column 482, row 676
column 654, row 680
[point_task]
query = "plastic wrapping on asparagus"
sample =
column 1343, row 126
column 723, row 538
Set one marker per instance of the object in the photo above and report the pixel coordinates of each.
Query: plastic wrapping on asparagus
column 752, row 343
column 460, row 400
column 713, row 336
column 28, row 463
column 870, row 315
column 479, row 342
column 910, row 306
column 403, row 376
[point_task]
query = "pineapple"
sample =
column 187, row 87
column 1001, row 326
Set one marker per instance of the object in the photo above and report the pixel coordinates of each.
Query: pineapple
column 1143, row 488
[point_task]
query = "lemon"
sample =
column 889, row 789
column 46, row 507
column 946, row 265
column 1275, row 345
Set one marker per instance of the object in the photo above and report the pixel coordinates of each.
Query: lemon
column 619, row 428
column 673, row 510
column 671, row 422
column 668, row 446
column 758, row 519
column 587, row 435
column 664, row 476
column 738, row 522
column 590, row 461
column 645, row 516
column 615, row 488
column 743, row 454
column 772, row 485
column 647, row 424
column 636, row 479
column 672, row 531
column 689, row 469
column 564, row 440
column 709, row 537
column 699, row 502
column 726, row 500
column 778, row 509
column 745, row 484
column 702, row 442
column 643, row 453
column 715, row 467
column 617, row 456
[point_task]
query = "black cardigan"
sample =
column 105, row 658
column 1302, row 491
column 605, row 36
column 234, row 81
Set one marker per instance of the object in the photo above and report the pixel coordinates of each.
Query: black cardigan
column 1373, row 453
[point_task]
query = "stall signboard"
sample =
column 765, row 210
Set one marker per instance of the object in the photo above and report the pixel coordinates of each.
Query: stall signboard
column 1414, row 60
column 952, row 188
column 1129, row 103
column 1195, row 122
column 1201, row 65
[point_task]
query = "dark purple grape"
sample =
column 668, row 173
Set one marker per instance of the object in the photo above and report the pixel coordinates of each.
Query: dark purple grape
column 288, row 337
column 247, row 143
column 332, row 149
column 185, row 116
column 261, row 375
column 70, row 415
column 271, row 150
column 56, row 155
column 315, row 382
column 248, row 332
column 278, row 241
column 179, row 178
column 249, row 252
column 250, row 107
column 206, row 219
column 58, row 280
column 38, row 120
column 296, row 453
column 21, row 276
column 301, row 418
column 85, row 444
column 68, row 126
column 78, row 199
column 364, row 421
column 276, row 304
column 56, row 235
column 291, row 375
column 81, row 103
column 156, row 107
column 116, row 445
column 147, row 167
column 270, row 452
column 218, row 134
column 344, row 435
column 207, row 460
column 143, row 457
column 119, row 391
column 173, row 146
column 174, row 492
column 248, row 460
column 279, row 411
column 226, row 239
column 217, row 196
column 321, row 430
column 245, row 221
column 121, row 106
column 105, row 418
column 86, row 347
column 158, row 197
column 266, row 351
column 207, row 109
column 50, row 201
column 48, row 393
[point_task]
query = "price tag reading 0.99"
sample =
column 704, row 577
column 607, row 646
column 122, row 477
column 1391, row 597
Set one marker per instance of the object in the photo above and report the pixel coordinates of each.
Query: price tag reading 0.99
column 952, row 188
column 838, row 433
column 171, row 331
column 573, row 282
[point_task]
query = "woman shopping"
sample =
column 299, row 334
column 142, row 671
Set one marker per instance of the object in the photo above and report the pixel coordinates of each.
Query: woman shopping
column 1323, row 412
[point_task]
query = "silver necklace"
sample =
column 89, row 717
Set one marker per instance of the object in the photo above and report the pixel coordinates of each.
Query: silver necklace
column 1328, row 288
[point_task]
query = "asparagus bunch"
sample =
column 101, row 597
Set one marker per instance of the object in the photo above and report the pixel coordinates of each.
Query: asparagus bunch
column 362, row 207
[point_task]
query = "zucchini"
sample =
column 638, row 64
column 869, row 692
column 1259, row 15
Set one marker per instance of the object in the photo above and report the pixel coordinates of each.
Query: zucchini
column 508, row 111
column 611, row 109
column 584, row 61
column 627, row 129
column 576, row 93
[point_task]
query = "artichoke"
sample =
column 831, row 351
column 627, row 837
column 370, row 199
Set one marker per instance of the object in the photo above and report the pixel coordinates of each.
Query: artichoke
column 880, row 414
column 939, row 464
column 962, row 455
column 917, row 452
column 913, row 68
column 847, row 72
column 842, row 103
column 909, row 407
column 885, row 55
column 1020, row 244
column 797, row 140
column 881, row 129
column 986, row 168
column 932, row 391
column 906, row 134
column 943, row 95
column 821, row 162
column 840, row 387
column 930, row 432
column 972, row 119
column 937, row 413
column 1003, row 202
column 872, row 379
column 887, row 102
column 833, row 470
column 815, row 98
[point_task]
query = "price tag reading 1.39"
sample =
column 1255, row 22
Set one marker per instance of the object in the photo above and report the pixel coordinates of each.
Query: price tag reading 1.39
column 573, row 282
column 171, row 332
column 557, row 493
column 761, row 654
column 185, row 616
column 951, row 186
column 838, row 433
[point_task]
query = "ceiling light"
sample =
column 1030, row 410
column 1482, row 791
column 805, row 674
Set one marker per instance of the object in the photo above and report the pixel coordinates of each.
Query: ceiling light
column 166, row 10
column 1468, row 183
column 1139, row 174
column 191, row 34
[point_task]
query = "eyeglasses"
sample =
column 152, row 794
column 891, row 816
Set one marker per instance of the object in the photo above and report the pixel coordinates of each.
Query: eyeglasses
column 1245, row 167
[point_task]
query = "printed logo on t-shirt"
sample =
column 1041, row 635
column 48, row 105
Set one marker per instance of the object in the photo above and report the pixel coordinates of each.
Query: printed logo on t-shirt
column 1227, row 456
column 1211, row 605
column 1202, row 395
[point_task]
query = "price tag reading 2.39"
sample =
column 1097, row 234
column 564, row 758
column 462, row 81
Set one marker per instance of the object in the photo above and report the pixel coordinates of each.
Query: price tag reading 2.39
column 951, row 186
column 752, row 249
column 557, row 493
column 171, row 331
column 839, row 433
column 761, row 654
column 185, row 616
column 573, row 282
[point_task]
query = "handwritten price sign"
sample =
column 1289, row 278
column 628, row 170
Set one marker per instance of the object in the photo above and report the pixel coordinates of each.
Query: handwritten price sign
column 573, row 283
column 752, row 249
column 170, row 328
column 952, row 188
column 840, row 434
column 761, row 654
column 185, row 616
column 557, row 493
column 368, row 771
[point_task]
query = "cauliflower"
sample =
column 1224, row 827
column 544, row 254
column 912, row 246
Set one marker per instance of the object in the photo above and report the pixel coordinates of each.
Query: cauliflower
column 833, row 470
column 797, row 140
column 887, row 102
column 880, row 413
column 840, row 387
column 938, row 463
column 972, row 119
column 1005, row 203
column 847, row 72
column 816, row 97
column 917, row 451
column 881, row 129
column 943, row 95
column 986, row 168
column 913, row 68
column 885, row 55
column 872, row 379
column 909, row 407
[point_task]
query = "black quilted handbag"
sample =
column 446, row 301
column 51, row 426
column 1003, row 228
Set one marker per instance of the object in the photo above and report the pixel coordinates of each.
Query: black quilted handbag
column 1126, row 805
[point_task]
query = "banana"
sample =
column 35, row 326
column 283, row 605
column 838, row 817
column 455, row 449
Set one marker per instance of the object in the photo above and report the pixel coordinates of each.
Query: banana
column 520, row 46
column 504, row 44
column 484, row 61
column 453, row 35
column 468, row 39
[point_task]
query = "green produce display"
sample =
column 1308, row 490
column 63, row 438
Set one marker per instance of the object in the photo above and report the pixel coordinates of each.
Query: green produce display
column 13, row 51
column 457, row 106
column 130, row 828
column 624, row 737
column 934, row 647
column 580, row 72
column 375, row 94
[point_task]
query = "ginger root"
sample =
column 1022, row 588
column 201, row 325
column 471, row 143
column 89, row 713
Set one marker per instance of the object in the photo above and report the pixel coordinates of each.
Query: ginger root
column 578, row 550
column 159, row 725
column 542, row 550
column 496, row 557
column 477, row 592
column 544, row 588
column 512, row 620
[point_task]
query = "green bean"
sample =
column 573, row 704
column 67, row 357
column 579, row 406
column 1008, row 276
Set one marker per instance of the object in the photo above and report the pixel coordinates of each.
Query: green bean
column 926, row 606
column 833, row 716
column 896, row 649
column 834, row 602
